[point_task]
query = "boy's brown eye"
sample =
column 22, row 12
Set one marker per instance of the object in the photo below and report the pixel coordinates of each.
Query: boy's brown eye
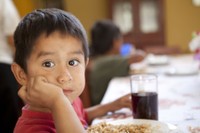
column 48, row 64
column 73, row 62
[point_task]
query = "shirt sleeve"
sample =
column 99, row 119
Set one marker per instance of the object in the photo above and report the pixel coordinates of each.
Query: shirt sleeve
column 80, row 111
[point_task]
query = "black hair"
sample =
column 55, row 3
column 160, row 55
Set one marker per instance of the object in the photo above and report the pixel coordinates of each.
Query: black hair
column 45, row 21
column 103, row 33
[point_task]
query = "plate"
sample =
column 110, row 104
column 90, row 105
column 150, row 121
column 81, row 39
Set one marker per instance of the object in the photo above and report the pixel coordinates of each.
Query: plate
column 181, row 71
column 155, row 126
column 157, row 60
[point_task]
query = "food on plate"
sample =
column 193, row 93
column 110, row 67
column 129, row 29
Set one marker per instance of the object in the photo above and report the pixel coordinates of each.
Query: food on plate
column 194, row 129
column 121, row 128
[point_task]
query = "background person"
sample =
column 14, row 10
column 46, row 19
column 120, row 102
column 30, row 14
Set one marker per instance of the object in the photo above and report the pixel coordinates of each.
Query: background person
column 9, row 100
column 106, row 61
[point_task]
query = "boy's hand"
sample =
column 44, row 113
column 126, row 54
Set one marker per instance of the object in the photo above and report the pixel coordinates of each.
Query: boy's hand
column 122, row 102
column 40, row 93
column 137, row 56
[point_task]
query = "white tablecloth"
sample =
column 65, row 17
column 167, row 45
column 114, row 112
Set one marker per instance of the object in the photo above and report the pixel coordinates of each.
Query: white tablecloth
column 179, row 95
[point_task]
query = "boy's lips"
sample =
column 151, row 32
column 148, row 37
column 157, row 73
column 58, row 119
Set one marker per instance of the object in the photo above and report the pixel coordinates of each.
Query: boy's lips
column 67, row 91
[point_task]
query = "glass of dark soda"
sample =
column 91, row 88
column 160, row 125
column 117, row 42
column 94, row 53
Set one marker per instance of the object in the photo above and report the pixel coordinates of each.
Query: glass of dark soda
column 144, row 92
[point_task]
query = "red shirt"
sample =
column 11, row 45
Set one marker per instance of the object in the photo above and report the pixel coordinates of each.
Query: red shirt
column 42, row 122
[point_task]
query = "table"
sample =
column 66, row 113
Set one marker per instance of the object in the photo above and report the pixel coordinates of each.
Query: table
column 179, row 93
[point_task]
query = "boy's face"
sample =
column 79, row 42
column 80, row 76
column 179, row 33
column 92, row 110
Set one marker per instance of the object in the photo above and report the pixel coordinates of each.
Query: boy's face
column 60, row 59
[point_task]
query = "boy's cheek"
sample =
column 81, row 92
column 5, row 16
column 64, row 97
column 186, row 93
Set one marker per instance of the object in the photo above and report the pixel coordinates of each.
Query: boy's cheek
column 34, row 73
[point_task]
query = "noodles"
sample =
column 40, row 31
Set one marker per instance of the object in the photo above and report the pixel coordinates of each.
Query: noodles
column 128, row 128
column 194, row 129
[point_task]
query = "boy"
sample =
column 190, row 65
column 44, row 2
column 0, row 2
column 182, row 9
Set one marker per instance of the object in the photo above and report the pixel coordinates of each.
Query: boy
column 50, row 61
column 106, row 61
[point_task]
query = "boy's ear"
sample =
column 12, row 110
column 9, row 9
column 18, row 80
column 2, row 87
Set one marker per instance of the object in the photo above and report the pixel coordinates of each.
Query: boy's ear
column 19, row 74
column 87, row 61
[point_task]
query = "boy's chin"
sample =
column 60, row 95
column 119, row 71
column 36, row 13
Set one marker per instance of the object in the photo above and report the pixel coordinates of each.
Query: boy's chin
column 71, row 99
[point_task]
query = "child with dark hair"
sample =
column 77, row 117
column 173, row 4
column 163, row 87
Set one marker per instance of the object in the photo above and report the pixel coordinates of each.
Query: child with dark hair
column 50, row 61
column 106, row 61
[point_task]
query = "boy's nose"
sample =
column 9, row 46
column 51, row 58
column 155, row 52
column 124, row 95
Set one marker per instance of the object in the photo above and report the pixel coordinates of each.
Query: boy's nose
column 64, row 77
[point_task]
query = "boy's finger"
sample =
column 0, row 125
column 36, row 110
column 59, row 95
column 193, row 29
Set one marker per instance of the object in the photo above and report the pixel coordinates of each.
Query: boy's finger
column 22, row 93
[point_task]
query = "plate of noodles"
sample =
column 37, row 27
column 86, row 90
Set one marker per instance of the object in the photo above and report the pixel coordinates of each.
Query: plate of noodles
column 130, row 125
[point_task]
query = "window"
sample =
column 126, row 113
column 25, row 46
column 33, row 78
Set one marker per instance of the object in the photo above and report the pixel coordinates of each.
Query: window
column 141, row 21
column 122, row 16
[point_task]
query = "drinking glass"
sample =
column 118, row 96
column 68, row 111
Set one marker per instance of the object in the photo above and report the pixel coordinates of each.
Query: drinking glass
column 144, row 92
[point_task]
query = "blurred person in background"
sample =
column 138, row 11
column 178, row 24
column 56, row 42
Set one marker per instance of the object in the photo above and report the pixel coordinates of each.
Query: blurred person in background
column 106, row 62
column 9, row 100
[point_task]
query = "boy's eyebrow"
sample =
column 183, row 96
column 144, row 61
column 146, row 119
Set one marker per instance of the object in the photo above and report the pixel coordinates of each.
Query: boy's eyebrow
column 77, row 52
column 44, row 53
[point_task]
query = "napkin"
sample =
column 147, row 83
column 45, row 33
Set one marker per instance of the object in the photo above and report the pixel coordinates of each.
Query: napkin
column 194, row 44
